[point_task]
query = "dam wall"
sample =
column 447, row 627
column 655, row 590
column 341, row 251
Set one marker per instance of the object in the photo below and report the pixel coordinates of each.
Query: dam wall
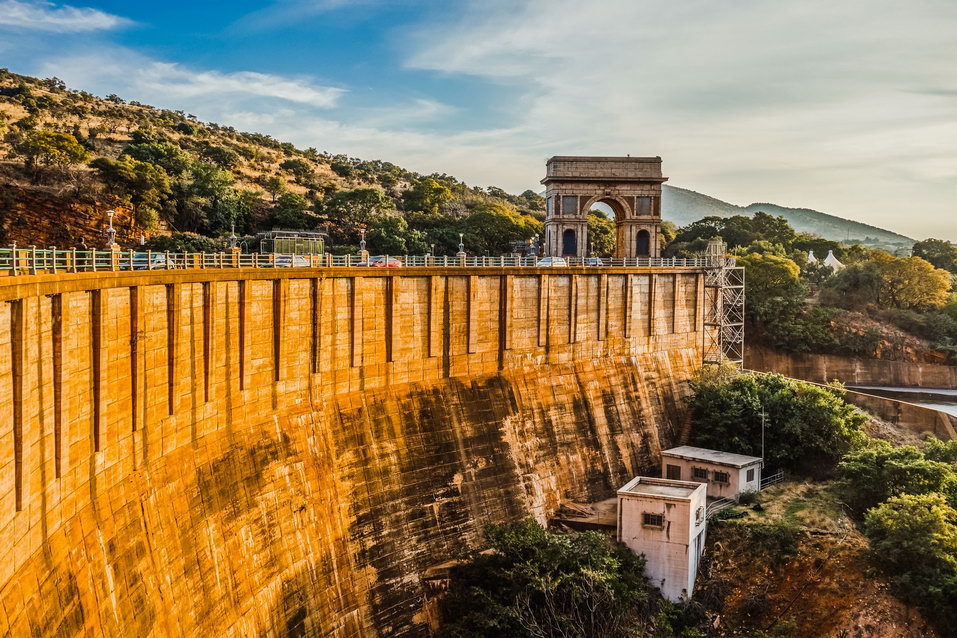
column 256, row 452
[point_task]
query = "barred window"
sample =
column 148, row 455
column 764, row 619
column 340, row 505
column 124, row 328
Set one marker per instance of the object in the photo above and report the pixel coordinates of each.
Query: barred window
column 673, row 472
column 750, row 475
column 721, row 477
column 653, row 520
column 699, row 473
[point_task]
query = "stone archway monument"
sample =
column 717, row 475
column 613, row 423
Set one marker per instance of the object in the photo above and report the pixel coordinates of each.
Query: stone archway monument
column 631, row 186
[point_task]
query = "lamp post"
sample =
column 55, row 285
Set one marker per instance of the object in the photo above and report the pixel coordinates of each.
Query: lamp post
column 363, row 253
column 110, row 231
column 461, row 244
column 232, row 236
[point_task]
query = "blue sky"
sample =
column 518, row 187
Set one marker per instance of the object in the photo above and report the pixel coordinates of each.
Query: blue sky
column 848, row 107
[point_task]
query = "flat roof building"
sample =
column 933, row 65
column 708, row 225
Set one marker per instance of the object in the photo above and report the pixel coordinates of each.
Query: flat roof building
column 665, row 521
column 727, row 474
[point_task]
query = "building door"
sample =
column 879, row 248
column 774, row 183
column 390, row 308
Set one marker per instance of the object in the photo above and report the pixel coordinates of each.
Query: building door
column 643, row 243
column 569, row 242
column 673, row 472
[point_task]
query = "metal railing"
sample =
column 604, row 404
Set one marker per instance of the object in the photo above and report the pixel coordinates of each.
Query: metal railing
column 23, row 261
column 767, row 481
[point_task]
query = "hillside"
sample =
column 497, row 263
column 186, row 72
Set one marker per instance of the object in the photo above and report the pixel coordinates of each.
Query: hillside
column 67, row 156
column 683, row 206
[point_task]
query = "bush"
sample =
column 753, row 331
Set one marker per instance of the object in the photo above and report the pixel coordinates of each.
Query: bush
column 872, row 474
column 808, row 428
column 534, row 582
column 914, row 537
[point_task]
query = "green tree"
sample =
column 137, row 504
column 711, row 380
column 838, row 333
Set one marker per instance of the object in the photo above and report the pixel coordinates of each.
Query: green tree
column 427, row 196
column 907, row 283
column 300, row 169
column 808, row 428
column 493, row 226
column 275, row 185
column 144, row 185
column 872, row 474
column 290, row 212
column 601, row 233
column 939, row 252
column 535, row 583
column 914, row 537
column 174, row 160
column 42, row 149
column 392, row 236
column 359, row 206
column 221, row 156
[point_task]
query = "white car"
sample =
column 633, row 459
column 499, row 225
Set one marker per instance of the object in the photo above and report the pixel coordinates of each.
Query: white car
column 551, row 261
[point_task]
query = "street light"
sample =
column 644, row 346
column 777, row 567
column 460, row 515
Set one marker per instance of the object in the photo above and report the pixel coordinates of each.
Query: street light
column 461, row 243
column 362, row 242
column 232, row 237
column 110, row 232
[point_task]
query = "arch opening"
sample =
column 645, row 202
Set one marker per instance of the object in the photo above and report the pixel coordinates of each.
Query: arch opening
column 643, row 244
column 569, row 243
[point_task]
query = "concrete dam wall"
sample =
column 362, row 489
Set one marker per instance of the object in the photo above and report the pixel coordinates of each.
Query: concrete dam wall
column 283, row 453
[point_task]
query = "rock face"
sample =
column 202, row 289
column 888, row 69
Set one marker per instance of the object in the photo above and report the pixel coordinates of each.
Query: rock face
column 284, row 453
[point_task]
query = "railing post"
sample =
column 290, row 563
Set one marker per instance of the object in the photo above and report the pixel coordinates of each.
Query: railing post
column 33, row 259
column 149, row 260
column 52, row 250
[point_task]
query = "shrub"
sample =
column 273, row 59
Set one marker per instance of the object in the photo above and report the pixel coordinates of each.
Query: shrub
column 914, row 537
column 534, row 582
column 808, row 427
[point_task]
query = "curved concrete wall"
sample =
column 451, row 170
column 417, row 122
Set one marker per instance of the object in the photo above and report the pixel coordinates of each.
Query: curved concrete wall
column 824, row 368
column 284, row 453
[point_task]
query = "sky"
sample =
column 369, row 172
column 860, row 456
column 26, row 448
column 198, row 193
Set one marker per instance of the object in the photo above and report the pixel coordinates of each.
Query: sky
column 847, row 107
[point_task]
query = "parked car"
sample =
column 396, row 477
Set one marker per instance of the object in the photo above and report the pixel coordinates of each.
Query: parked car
column 381, row 261
column 593, row 261
column 289, row 261
column 144, row 261
column 551, row 261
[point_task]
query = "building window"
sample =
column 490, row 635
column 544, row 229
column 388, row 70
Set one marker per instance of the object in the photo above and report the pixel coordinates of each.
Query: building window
column 699, row 516
column 721, row 477
column 673, row 472
column 699, row 474
column 750, row 475
column 569, row 204
column 644, row 205
column 550, row 203
column 653, row 520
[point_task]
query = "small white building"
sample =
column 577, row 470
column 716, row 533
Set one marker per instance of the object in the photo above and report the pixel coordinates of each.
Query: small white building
column 666, row 522
column 727, row 475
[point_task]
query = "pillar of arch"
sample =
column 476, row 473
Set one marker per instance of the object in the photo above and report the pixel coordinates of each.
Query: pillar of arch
column 631, row 186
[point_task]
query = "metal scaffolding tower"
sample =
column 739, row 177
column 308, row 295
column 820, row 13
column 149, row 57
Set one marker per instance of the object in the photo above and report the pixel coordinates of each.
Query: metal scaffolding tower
column 724, row 307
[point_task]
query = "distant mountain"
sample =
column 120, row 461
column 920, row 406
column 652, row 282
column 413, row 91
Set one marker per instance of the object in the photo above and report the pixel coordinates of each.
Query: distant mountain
column 683, row 207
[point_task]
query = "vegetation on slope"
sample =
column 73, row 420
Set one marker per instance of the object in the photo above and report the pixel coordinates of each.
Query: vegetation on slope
column 164, row 171
column 878, row 306
column 529, row 582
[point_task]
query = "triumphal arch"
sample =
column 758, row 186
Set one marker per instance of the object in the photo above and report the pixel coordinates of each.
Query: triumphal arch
column 631, row 186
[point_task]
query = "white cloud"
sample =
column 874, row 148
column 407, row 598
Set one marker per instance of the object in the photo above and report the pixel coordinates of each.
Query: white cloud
column 843, row 106
column 174, row 86
column 46, row 16
column 181, row 83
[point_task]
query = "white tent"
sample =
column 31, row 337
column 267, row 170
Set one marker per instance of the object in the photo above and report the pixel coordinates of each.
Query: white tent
column 833, row 261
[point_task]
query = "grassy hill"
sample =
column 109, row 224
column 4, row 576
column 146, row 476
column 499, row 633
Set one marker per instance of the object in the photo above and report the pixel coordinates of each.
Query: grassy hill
column 683, row 206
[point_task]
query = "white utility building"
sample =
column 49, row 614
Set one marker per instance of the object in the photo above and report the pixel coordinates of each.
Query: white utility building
column 727, row 475
column 666, row 522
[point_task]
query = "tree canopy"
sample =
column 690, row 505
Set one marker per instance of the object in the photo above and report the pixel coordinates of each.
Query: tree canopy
column 531, row 582
column 807, row 428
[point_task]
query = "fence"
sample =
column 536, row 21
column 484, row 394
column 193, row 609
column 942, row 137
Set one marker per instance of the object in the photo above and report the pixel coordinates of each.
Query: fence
column 723, row 503
column 21, row 261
